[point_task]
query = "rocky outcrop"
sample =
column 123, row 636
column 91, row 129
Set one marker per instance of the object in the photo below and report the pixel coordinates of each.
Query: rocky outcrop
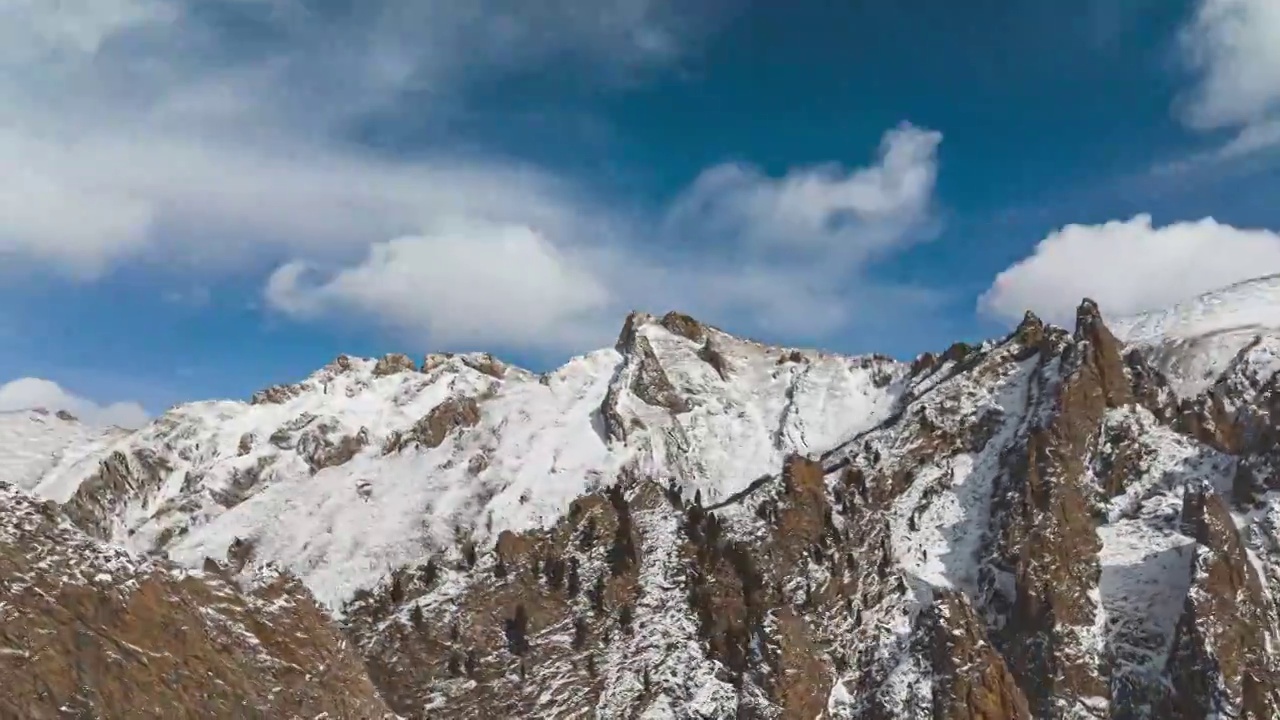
column 1220, row 665
column 649, row 381
column 393, row 363
column 971, row 680
column 1003, row 541
column 641, row 376
column 684, row 326
column 1046, row 534
column 538, row 612
column 321, row 451
column 120, row 476
column 432, row 429
column 480, row 362
column 90, row 631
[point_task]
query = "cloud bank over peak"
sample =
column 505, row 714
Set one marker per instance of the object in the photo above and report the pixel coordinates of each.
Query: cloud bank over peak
column 31, row 393
column 1128, row 267
column 772, row 253
column 475, row 284
column 221, row 139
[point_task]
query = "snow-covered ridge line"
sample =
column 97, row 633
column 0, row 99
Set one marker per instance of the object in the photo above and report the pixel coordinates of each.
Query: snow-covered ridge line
column 370, row 464
column 1194, row 341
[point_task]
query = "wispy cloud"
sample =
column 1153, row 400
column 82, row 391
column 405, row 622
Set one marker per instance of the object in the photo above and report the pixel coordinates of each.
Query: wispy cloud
column 218, row 137
column 1233, row 49
column 768, row 253
column 167, row 124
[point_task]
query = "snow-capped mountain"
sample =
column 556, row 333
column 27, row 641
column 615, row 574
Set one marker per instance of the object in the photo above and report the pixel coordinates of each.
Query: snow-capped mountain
column 692, row 525
column 90, row 630
column 1193, row 341
column 369, row 465
column 50, row 453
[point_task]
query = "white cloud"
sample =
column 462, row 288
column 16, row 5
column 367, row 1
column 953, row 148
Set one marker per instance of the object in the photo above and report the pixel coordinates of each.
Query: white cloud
column 771, row 253
column 850, row 214
column 30, row 393
column 145, row 132
column 475, row 284
column 1128, row 267
column 1234, row 48
column 137, row 128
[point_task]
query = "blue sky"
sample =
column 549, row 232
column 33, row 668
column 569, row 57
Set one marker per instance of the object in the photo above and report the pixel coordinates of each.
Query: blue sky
column 217, row 196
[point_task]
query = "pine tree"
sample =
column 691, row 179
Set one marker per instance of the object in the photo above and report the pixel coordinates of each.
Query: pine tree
column 625, row 618
column 573, row 582
column 597, row 595
column 431, row 573
column 517, row 629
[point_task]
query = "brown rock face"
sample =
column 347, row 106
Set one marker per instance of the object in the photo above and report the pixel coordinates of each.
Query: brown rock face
column 684, row 326
column 526, row 633
column 392, row 364
column 751, row 624
column 713, row 357
column 1219, row 664
column 924, row 364
column 1047, row 534
column 320, row 450
column 1104, row 361
column 87, row 631
column 436, row 425
column 120, row 476
column 276, row 395
column 487, row 364
column 627, row 336
column 970, row 679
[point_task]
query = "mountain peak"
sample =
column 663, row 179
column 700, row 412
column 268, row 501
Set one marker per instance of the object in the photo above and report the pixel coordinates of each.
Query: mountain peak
column 691, row 523
column 1194, row 341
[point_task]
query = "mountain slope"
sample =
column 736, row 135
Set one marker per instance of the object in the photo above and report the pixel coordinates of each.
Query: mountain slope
column 1192, row 342
column 692, row 525
column 367, row 466
column 88, row 630
column 50, row 453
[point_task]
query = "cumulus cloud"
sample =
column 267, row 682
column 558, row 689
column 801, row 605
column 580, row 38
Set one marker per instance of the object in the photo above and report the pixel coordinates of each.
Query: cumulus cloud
column 137, row 129
column 31, row 393
column 775, row 254
column 1233, row 46
column 222, row 136
column 476, row 284
column 1128, row 267
column 827, row 209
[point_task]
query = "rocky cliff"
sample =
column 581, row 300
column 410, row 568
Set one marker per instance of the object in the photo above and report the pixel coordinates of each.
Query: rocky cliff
column 1059, row 523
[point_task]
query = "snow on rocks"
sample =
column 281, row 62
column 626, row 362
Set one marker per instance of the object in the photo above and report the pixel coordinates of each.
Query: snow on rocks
column 322, row 476
column 1193, row 342
column 690, row 524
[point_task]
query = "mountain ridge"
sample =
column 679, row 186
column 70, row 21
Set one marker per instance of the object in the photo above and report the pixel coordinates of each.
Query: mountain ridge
column 690, row 524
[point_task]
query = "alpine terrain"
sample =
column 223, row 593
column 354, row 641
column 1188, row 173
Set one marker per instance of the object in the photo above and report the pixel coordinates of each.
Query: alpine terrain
column 1075, row 522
